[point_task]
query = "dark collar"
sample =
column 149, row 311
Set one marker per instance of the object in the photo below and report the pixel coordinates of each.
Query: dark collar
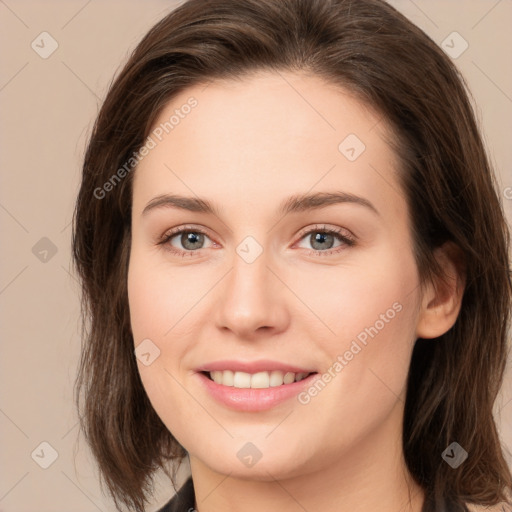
column 183, row 500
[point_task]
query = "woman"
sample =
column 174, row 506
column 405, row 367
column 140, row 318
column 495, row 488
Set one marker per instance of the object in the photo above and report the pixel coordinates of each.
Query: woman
column 295, row 267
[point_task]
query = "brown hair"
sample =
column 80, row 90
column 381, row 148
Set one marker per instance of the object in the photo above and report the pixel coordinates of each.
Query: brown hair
column 370, row 49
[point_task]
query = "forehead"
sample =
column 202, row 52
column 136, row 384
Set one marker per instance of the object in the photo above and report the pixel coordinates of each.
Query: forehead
column 266, row 135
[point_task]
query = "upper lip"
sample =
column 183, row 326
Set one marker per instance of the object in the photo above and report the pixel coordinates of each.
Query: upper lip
column 252, row 366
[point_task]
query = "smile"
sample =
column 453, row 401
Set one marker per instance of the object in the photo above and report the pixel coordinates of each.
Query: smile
column 254, row 386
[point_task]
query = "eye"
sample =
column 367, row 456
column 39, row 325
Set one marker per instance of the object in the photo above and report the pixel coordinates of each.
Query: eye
column 189, row 240
column 323, row 239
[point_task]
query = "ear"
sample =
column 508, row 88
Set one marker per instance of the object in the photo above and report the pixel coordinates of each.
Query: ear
column 442, row 299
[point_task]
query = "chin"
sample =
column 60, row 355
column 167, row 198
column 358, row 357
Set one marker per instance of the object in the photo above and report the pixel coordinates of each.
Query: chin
column 243, row 460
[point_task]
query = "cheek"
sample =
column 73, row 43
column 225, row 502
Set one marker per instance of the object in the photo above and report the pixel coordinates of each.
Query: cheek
column 154, row 302
column 157, row 298
column 367, row 292
column 371, row 312
column 162, row 304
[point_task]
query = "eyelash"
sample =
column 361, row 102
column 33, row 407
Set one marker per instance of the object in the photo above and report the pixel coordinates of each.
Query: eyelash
column 348, row 241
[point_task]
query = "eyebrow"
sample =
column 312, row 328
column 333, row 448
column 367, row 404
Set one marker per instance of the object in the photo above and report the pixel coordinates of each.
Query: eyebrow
column 295, row 203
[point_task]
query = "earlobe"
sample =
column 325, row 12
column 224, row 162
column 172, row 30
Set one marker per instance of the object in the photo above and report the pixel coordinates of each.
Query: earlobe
column 442, row 299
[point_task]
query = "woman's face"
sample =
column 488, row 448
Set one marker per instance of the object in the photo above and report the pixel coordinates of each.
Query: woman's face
column 301, row 267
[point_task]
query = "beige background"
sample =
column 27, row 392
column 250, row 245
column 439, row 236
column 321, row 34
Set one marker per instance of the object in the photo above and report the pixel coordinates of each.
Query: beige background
column 47, row 110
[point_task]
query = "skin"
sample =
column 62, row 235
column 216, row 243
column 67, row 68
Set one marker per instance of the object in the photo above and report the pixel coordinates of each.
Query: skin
column 247, row 146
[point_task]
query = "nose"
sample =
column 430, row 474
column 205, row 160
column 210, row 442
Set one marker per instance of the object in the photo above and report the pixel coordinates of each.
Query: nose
column 252, row 300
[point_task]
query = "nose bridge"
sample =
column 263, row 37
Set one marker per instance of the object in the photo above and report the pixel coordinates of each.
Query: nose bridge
column 250, row 296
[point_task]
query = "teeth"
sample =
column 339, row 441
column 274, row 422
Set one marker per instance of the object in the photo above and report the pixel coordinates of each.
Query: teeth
column 228, row 378
column 276, row 378
column 289, row 378
column 241, row 380
column 260, row 380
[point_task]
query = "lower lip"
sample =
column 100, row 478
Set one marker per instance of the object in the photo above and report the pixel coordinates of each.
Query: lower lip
column 253, row 399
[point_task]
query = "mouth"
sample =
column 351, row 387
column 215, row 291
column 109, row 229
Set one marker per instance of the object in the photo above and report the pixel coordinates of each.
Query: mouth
column 258, row 380
column 253, row 386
